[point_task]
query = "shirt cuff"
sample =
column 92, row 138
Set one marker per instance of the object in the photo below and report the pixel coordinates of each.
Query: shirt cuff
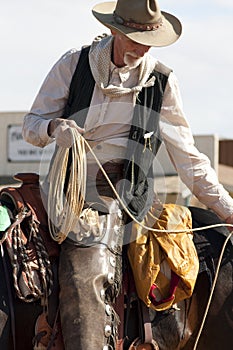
column 43, row 131
column 224, row 207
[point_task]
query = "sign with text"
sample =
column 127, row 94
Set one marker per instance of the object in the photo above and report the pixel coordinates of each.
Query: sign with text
column 21, row 151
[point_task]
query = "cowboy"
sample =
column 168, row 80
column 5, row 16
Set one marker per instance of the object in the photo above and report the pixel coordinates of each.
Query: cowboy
column 123, row 102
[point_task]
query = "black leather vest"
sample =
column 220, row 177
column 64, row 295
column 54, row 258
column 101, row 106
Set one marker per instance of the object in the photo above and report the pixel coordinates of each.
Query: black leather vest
column 137, row 190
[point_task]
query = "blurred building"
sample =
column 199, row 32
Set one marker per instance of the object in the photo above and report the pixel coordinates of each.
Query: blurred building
column 226, row 163
column 226, row 152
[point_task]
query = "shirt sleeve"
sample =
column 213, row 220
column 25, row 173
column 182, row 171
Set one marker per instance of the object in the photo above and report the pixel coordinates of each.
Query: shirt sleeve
column 51, row 100
column 193, row 167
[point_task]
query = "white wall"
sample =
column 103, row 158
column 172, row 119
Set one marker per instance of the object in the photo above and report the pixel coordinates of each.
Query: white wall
column 207, row 144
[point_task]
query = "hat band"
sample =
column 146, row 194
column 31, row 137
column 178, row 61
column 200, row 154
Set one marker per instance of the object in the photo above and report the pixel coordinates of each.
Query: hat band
column 138, row 26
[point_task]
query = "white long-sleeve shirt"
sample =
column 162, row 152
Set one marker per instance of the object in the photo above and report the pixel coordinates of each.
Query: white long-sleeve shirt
column 108, row 123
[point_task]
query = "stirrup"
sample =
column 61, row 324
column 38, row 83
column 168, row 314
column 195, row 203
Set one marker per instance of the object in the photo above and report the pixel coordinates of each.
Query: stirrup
column 138, row 345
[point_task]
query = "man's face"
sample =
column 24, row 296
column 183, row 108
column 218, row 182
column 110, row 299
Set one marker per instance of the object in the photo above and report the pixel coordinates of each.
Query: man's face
column 127, row 52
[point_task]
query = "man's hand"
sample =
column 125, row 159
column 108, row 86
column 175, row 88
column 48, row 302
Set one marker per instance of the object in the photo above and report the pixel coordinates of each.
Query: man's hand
column 60, row 129
column 229, row 220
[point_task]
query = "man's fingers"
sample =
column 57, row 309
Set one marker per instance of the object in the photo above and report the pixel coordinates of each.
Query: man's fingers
column 73, row 124
column 61, row 129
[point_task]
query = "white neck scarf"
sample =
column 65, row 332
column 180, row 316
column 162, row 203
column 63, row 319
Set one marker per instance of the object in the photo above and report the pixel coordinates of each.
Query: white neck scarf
column 100, row 62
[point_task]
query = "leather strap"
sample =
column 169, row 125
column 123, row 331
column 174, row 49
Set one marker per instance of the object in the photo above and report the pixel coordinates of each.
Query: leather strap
column 14, row 196
column 148, row 338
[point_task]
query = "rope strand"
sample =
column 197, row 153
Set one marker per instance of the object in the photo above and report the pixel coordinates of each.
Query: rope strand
column 65, row 210
column 134, row 219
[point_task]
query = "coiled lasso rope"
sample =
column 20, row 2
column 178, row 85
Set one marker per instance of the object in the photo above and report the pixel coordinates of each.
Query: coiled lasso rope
column 65, row 210
column 67, row 215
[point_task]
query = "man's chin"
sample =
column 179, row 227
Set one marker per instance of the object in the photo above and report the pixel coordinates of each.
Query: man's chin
column 132, row 61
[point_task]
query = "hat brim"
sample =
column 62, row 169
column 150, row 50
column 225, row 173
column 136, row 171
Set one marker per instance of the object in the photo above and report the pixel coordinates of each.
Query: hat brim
column 165, row 35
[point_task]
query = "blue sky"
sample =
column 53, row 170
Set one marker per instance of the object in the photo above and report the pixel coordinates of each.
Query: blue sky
column 34, row 34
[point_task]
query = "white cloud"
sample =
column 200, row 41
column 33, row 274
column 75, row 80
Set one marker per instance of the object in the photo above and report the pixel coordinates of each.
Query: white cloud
column 202, row 60
column 224, row 3
column 33, row 35
column 199, row 4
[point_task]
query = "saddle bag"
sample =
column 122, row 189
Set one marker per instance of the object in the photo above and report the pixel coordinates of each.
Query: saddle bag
column 165, row 265
column 27, row 239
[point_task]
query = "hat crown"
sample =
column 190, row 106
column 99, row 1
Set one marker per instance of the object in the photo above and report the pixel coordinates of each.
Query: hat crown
column 140, row 20
column 139, row 11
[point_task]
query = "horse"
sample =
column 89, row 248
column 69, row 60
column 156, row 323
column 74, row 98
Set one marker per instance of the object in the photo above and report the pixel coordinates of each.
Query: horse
column 174, row 329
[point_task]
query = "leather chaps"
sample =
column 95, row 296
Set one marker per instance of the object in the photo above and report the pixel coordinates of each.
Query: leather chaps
column 90, row 280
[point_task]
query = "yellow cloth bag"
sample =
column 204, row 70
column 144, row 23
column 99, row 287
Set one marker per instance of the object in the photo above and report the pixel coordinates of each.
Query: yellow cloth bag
column 149, row 251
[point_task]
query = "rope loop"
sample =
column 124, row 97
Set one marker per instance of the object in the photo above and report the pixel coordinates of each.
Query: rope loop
column 64, row 208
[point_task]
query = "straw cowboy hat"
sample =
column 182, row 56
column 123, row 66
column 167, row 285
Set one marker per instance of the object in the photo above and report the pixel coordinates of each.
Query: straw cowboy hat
column 140, row 20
